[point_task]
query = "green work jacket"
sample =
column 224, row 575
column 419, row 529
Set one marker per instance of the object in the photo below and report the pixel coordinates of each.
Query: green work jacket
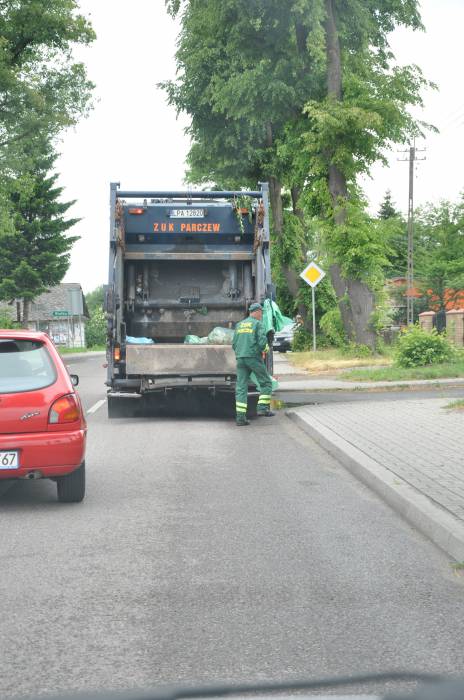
column 249, row 338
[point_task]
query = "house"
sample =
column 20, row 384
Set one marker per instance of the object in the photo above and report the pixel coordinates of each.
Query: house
column 60, row 312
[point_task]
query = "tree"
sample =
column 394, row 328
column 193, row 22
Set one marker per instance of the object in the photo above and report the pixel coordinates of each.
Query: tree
column 387, row 208
column 96, row 328
column 242, row 87
column 35, row 255
column 95, row 299
column 302, row 94
column 393, row 230
column 363, row 112
column 439, row 256
column 42, row 89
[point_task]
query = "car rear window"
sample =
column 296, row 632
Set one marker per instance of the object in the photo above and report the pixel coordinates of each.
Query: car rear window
column 25, row 365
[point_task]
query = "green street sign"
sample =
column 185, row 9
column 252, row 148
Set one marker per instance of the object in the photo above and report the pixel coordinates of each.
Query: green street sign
column 61, row 314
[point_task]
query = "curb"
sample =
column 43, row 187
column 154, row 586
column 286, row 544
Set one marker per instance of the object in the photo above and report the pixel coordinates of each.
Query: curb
column 419, row 384
column 440, row 526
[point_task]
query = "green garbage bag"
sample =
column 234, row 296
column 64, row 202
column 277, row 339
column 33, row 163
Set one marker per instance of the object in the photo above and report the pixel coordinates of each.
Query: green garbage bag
column 194, row 340
column 221, row 336
column 253, row 380
column 273, row 318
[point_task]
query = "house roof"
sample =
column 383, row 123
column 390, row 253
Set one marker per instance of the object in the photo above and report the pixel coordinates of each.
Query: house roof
column 67, row 296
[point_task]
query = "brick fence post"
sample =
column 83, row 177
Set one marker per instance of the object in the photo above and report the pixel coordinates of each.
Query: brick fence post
column 455, row 326
column 426, row 321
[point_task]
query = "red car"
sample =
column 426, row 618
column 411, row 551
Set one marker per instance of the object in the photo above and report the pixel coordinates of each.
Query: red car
column 42, row 424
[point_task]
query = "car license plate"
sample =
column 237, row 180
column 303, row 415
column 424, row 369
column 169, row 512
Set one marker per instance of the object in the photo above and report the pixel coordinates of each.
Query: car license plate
column 9, row 459
column 187, row 213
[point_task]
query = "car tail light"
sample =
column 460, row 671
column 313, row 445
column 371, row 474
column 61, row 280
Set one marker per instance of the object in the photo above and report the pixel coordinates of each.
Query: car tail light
column 117, row 353
column 137, row 210
column 64, row 410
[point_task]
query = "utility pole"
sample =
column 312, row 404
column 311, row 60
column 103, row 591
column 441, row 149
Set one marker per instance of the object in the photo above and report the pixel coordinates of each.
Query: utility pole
column 412, row 158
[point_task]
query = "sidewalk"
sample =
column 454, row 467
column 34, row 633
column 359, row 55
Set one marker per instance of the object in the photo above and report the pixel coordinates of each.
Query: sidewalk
column 410, row 452
column 290, row 380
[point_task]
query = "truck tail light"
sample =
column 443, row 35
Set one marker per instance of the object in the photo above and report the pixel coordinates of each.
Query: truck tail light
column 117, row 353
column 137, row 210
column 64, row 410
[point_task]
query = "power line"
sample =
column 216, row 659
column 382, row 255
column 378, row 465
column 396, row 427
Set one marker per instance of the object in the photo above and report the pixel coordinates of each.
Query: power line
column 411, row 159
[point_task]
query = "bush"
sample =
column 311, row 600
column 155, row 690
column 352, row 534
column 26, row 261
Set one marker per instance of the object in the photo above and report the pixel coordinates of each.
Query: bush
column 7, row 322
column 358, row 350
column 302, row 340
column 416, row 348
column 95, row 329
column 332, row 326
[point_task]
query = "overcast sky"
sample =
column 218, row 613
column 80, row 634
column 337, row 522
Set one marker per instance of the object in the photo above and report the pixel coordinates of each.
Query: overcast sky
column 134, row 138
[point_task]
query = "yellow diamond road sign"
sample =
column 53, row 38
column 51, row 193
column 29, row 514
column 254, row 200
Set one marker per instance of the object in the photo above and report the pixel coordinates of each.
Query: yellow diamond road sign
column 312, row 274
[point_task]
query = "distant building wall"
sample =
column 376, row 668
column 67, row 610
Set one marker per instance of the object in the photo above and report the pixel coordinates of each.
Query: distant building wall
column 68, row 332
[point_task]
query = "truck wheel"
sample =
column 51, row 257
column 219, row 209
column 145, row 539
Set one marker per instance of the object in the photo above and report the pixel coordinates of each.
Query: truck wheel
column 252, row 405
column 71, row 488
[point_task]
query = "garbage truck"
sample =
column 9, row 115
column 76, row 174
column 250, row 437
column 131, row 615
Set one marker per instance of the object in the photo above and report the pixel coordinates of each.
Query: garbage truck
column 183, row 269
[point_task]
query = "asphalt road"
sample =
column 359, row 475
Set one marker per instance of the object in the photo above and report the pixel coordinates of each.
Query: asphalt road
column 204, row 552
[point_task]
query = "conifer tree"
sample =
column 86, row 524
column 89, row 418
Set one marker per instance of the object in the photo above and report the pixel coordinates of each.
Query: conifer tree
column 35, row 255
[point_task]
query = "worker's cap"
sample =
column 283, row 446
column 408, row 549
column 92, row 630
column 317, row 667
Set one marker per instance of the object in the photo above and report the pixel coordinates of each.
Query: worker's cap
column 255, row 307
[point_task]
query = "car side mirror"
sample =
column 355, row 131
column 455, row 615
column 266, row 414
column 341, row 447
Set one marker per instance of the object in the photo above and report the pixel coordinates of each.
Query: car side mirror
column 74, row 379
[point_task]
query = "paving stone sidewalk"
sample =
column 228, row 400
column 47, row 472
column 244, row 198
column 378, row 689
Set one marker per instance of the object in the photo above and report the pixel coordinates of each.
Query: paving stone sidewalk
column 416, row 441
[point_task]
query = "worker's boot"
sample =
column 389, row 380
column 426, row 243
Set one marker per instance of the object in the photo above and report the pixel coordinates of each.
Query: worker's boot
column 266, row 414
column 242, row 421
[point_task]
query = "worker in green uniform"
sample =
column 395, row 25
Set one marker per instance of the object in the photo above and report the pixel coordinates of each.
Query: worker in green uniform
column 250, row 343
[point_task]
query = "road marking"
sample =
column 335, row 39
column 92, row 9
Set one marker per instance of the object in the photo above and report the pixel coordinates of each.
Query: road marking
column 96, row 406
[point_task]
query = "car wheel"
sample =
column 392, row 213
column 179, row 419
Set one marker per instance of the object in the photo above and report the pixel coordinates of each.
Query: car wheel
column 71, row 488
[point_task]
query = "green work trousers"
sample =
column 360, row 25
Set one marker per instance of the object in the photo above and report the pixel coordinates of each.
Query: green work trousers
column 245, row 366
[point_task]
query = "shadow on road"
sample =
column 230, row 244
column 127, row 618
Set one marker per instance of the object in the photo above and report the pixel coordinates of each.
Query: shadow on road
column 21, row 493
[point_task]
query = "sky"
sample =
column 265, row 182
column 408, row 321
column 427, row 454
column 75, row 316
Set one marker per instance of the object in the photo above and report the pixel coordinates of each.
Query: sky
column 133, row 137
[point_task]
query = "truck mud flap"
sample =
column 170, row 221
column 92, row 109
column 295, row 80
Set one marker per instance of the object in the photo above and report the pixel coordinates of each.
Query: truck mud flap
column 120, row 406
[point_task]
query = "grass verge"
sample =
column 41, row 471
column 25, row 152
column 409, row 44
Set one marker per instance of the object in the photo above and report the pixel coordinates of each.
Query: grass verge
column 72, row 351
column 455, row 406
column 333, row 359
column 448, row 370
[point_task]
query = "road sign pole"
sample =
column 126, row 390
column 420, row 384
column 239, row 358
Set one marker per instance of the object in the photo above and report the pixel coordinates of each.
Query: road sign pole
column 312, row 275
column 313, row 290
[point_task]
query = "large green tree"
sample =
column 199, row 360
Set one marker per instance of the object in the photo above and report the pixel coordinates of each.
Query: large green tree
column 42, row 88
column 35, row 254
column 364, row 111
column 244, row 86
column 439, row 252
column 303, row 94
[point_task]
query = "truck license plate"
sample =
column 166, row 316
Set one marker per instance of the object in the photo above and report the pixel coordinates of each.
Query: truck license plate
column 9, row 459
column 187, row 213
